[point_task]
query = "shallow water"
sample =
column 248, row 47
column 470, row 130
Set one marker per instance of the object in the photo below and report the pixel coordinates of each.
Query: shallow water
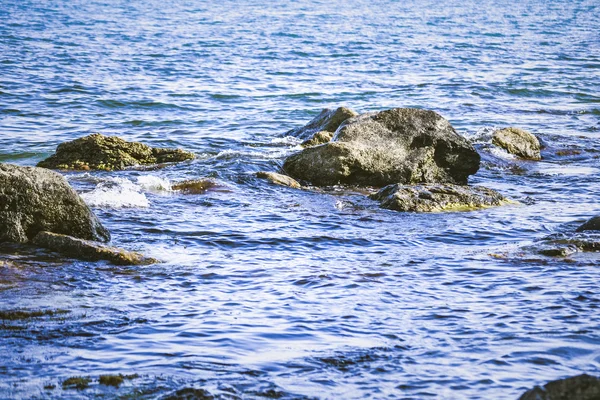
column 272, row 292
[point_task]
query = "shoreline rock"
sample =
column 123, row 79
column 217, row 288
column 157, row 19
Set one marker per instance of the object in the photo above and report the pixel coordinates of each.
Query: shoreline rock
column 109, row 153
column 88, row 250
column 37, row 199
column 580, row 387
column 518, row 142
column 401, row 145
column 437, row 198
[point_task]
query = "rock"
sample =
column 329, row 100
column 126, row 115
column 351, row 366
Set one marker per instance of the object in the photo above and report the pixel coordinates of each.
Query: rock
column 437, row 197
column 518, row 142
column 593, row 224
column 194, row 186
column 580, row 387
column 400, row 145
column 36, row 199
column 89, row 250
column 318, row 138
column 279, row 179
column 328, row 120
column 190, row 394
column 109, row 153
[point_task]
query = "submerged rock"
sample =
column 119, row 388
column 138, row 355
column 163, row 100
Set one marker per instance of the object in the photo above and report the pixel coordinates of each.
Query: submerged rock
column 592, row 224
column 36, row 199
column 194, row 186
column 89, row 250
column 400, row 145
column 518, row 142
column 436, row 197
column 279, row 179
column 580, row 387
column 109, row 153
column 328, row 121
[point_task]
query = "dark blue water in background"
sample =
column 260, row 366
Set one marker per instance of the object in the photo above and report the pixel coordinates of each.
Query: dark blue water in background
column 273, row 292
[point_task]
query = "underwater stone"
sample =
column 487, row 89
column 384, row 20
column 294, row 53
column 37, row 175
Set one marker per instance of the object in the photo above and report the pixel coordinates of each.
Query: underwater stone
column 400, row 145
column 194, row 186
column 99, row 152
column 89, row 250
column 36, row 199
column 518, row 142
column 437, row 197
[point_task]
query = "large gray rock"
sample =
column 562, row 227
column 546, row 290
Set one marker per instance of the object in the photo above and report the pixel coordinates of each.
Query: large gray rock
column 437, row 197
column 580, row 387
column 37, row 199
column 518, row 142
column 400, row 145
column 89, row 250
column 327, row 121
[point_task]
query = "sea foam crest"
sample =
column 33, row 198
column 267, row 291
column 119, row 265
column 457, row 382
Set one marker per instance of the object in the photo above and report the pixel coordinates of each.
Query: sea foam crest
column 116, row 193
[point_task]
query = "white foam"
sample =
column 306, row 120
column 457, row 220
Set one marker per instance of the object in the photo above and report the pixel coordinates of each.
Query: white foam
column 116, row 193
column 482, row 136
column 288, row 141
column 151, row 182
column 501, row 153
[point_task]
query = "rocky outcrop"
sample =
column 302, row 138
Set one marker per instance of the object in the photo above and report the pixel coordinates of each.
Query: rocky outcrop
column 592, row 224
column 36, row 199
column 437, row 197
column 279, row 179
column 518, row 142
column 89, row 250
column 99, row 152
column 402, row 145
column 580, row 387
column 327, row 121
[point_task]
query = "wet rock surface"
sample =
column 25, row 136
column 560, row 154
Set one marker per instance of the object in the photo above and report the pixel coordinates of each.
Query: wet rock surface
column 36, row 199
column 328, row 120
column 89, row 250
column 437, row 197
column 518, row 142
column 580, row 387
column 401, row 145
column 592, row 224
column 99, row 152
column 279, row 179
column 194, row 186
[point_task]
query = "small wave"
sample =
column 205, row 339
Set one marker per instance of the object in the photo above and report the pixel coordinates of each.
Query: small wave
column 150, row 182
column 286, row 141
column 482, row 136
column 501, row 153
column 116, row 193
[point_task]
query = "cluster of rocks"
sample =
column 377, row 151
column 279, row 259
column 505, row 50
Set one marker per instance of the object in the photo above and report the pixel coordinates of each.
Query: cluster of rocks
column 38, row 206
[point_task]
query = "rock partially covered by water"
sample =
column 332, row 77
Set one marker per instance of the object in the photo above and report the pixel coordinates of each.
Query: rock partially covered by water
column 327, row 121
column 89, row 250
column 518, row 142
column 194, row 186
column 36, row 199
column 592, row 224
column 109, row 153
column 437, row 197
column 400, row 145
column 318, row 138
column 279, row 179
column 580, row 387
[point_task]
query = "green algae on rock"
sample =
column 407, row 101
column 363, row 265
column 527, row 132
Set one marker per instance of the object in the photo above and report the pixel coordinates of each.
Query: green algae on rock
column 88, row 250
column 36, row 199
column 518, row 142
column 99, row 152
column 115, row 380
column 437, row 197
column 76, row 382
column 18, row 315
column 401, row 145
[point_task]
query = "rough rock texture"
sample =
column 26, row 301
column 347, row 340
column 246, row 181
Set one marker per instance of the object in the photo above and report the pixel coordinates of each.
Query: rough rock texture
column 194, row 186
column 36, row 199
column 518, row 142
column 400, row 145
column 279, row 179
column 109, row 153
column 592, row 224
column 328, row 120
column 88, row 250
column 318, row 138
column 436, row 197
column 580, row 387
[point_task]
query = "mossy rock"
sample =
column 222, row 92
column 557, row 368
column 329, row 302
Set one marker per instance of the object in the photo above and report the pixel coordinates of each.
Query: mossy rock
column 99, row 152
column 194, row 186
column 76, row 382
column 518, row 142
column 437, row 197
column 279, row 179
column 115, row 380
